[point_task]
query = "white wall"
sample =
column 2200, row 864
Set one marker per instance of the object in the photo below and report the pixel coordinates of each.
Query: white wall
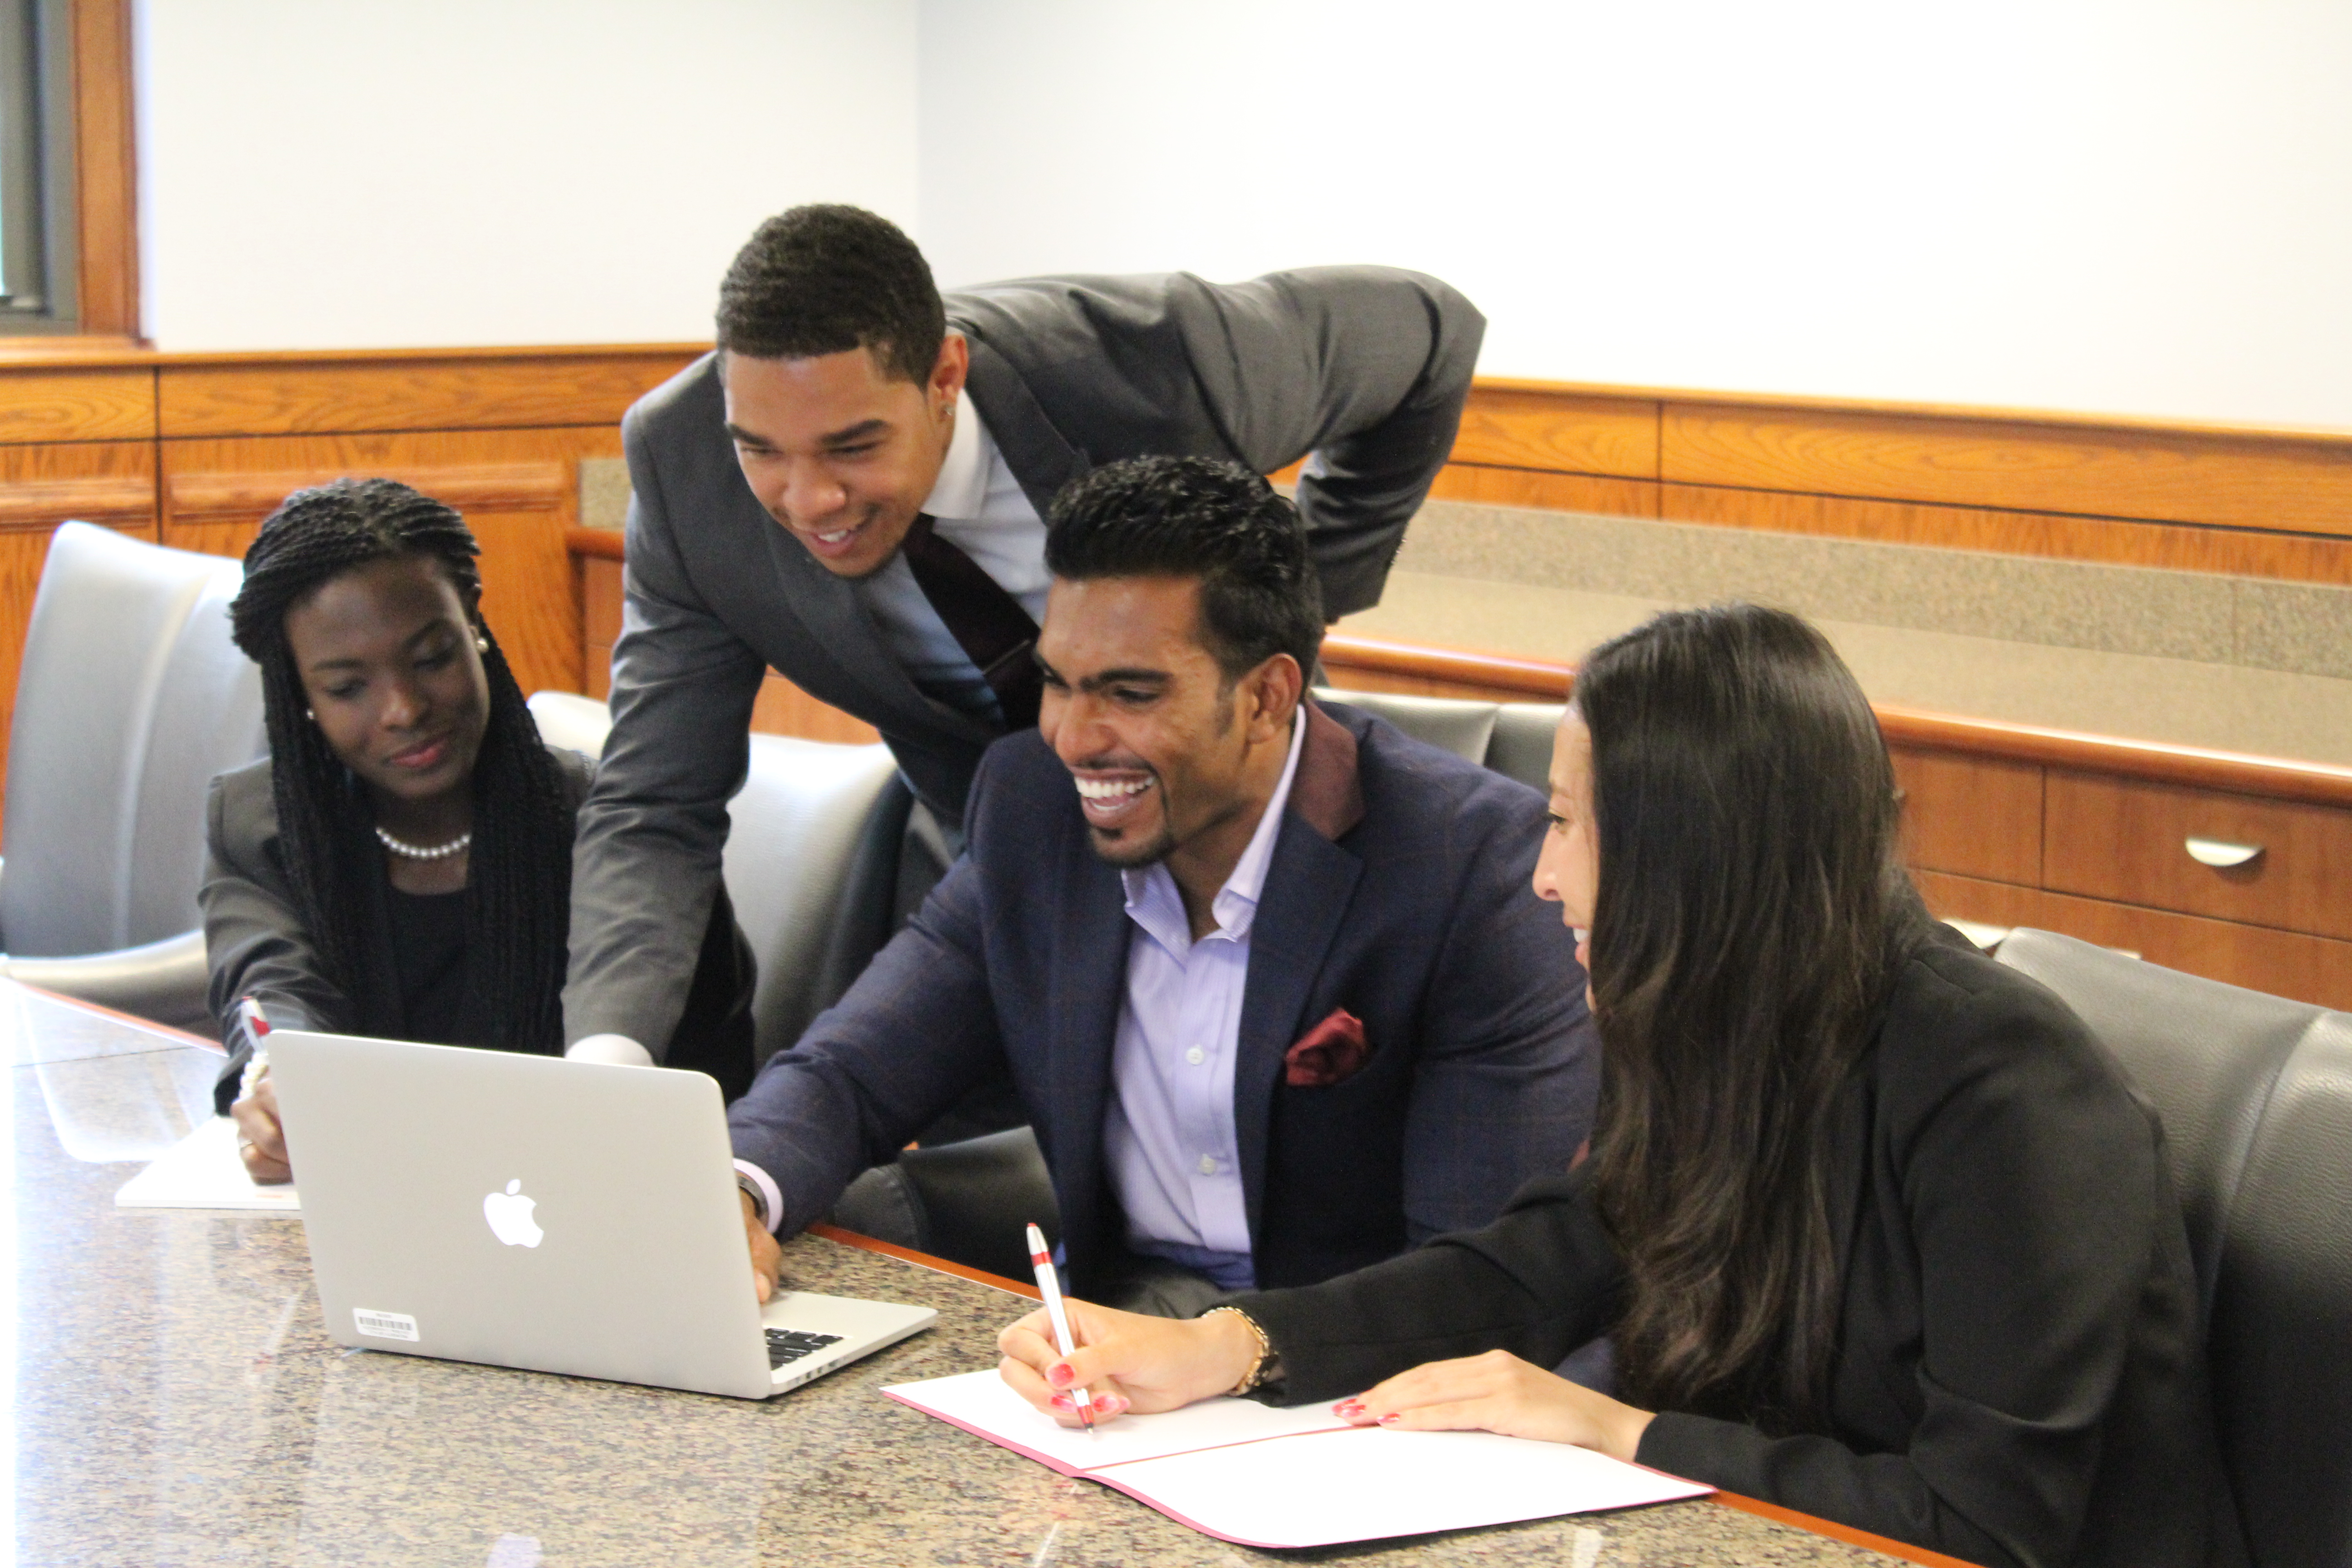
column 330, row 174
column 2123, row 206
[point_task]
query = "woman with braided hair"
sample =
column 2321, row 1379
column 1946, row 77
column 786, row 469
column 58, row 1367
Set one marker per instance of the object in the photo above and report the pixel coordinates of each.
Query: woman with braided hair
column 399, row 866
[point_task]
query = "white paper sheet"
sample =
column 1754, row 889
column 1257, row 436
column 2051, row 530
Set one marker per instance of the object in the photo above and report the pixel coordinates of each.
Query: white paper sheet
column 982, row 1404
column 203, row 1171
column 1367, row 1484
column 1261, row 1477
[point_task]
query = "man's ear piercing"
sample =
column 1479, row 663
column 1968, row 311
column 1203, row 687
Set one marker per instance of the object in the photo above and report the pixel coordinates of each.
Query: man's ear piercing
column 481, row 643
column 310, row 714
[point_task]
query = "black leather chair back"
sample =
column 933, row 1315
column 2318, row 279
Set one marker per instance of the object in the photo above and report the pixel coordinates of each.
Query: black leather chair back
column 2255, row 1093
column 967, row 1202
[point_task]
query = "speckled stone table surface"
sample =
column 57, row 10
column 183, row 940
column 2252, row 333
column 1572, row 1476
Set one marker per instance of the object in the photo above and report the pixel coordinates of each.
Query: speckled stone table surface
column 174, row 1399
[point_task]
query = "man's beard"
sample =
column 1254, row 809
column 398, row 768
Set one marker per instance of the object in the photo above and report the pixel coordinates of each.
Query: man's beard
column 1133, row 858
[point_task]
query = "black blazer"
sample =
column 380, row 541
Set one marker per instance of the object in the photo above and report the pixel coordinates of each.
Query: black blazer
column 2019, row 1376
column 256, row 944
column 1368, row 367
column 1396, row 890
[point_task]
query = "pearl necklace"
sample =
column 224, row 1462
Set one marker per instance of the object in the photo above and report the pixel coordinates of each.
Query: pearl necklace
column 407, row 851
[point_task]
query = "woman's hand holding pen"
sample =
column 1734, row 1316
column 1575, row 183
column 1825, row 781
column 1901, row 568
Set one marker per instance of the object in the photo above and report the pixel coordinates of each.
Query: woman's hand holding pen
column 262, row 1141
column 1497, row 1391
column 1128, row 1360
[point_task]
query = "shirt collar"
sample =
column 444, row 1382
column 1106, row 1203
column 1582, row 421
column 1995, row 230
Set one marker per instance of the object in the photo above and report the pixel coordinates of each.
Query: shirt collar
column 1151, row 894
column 962, row 485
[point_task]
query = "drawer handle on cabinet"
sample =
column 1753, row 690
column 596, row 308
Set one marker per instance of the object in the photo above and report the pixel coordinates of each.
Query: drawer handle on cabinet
column 2221, row 854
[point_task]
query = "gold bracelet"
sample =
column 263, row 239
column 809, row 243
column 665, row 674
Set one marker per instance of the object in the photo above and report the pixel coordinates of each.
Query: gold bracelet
column 1257, row 1366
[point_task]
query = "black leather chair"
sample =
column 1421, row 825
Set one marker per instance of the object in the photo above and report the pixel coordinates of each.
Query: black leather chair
column 1512, row 737
column 967, row 1202
column 2255, row 1092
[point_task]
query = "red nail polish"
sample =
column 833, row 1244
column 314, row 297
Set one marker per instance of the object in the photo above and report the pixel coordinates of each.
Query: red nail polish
column 1348, row 1407
column 1063, row 1402
column 1109, row 1404
column 1058, row 1374
column 1391, row 1420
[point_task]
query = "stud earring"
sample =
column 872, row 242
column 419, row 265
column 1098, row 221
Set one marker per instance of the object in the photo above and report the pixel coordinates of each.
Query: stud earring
column 310, row 714
column 481, row 643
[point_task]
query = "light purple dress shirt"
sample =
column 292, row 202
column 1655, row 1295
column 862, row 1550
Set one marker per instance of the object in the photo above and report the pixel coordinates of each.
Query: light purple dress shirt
column 1168, row 1135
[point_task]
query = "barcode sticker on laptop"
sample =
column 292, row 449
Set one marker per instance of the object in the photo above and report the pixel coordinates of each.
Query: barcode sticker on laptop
column 385, row 1325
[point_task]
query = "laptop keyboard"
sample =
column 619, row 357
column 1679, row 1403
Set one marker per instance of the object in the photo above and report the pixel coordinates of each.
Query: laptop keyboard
column 790, row 1345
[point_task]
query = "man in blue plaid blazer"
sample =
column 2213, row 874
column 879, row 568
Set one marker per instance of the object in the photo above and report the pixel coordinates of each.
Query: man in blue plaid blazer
column 1267, row 974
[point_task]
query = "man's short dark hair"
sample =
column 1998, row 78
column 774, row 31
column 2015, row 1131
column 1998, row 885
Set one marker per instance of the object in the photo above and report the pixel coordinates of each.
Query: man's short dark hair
column 1198, row 517
column 827, row 278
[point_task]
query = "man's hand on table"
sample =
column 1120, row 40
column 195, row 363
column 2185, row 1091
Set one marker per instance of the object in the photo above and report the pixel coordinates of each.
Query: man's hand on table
column 767, row 1256
column 261, row 1140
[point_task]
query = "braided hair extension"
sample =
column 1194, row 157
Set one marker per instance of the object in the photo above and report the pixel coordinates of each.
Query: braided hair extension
column 518, row 882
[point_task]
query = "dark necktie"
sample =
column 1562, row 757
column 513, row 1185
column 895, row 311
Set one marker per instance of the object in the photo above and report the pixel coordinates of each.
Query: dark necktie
column 994, row 631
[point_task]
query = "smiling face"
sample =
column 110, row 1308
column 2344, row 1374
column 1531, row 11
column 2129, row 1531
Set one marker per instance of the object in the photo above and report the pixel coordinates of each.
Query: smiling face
column 1568, row 871
column 839, row 451
column 386, row 657
column 1170, row 763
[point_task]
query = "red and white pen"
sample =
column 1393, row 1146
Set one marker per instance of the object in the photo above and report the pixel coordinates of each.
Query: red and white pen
column 257, row 1031
column 1050, row 1286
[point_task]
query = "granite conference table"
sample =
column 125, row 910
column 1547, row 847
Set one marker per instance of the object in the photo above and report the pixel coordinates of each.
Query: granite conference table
column 172, row 1397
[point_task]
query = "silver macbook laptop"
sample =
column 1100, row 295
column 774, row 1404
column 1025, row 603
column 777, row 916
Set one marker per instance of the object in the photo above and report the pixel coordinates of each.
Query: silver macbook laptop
column 554, row 1216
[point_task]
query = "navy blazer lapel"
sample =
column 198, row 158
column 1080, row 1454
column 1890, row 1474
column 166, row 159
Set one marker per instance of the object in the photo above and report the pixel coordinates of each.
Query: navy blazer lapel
column 1087, row 984
column 829, row 607
column 1304, row 903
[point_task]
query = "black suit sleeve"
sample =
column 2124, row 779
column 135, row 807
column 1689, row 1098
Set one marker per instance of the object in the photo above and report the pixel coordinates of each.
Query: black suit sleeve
column 1366, row 368
column 1540, row 1281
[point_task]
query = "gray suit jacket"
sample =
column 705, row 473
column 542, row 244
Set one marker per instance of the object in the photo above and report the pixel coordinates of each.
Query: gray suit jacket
column 1366, row 367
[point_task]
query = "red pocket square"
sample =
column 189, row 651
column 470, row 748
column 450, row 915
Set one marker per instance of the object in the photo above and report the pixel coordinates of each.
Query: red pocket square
column 1333, row 1051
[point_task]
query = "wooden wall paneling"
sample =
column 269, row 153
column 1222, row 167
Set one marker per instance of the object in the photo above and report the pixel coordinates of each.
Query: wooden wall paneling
column 519, row 491
column 1980, row 817
column 445, row 390
column 105, row 170
column 2306, row 558
column 1509, row 427
column 1556, row 492
column 599, row 621
column 2294, row 485
column 781, row 708
column 2125, row 839
column 1372, row 664
column 2284, row 963
column 784, row 708
column 68, row 404
column 1461, row 671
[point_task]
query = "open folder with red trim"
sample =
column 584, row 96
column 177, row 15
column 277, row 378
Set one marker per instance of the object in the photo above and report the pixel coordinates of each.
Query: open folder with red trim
column 1257, row 1476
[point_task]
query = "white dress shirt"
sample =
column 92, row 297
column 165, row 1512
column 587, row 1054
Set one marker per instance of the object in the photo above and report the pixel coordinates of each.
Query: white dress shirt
column 1168, row 1144
column 980, row 506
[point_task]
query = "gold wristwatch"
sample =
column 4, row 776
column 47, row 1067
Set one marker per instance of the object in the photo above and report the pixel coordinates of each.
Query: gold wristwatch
column 1267, row 1365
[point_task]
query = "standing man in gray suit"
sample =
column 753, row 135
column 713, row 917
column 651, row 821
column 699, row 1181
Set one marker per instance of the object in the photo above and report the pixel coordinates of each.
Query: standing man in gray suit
column 851, row 490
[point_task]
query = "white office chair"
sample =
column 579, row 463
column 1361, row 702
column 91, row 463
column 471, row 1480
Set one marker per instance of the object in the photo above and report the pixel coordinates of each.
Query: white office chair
column 131, row 698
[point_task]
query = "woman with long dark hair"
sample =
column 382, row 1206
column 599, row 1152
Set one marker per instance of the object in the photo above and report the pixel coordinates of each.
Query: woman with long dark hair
column 400, row 865
column 1876, row 1229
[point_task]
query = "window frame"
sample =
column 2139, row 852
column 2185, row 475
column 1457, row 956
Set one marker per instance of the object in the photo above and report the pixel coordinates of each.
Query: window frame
column 90, row 245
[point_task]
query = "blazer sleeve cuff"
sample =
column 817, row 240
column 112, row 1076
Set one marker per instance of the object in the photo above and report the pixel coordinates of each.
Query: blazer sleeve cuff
column 763, row 1187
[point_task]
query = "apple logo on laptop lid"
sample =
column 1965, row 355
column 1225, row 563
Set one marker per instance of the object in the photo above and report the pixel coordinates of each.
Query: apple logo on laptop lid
column 509, row 1216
